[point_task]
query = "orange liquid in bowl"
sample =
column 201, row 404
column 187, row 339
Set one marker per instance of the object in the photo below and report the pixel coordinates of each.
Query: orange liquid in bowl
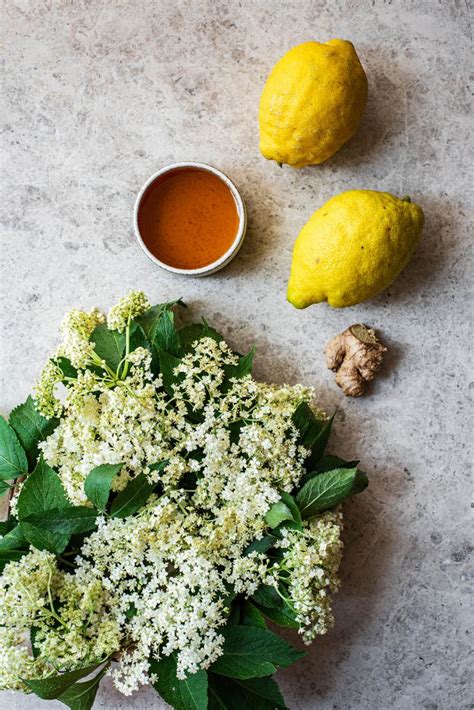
column 188, row 218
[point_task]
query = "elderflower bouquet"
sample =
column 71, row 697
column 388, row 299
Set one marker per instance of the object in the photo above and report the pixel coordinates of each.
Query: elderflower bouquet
column 164, row 506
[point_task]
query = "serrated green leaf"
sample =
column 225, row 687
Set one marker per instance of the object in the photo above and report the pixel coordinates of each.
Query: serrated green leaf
column 108, row 344
column 53, row 686
column 135, row 495
column 98, row 482
column 283, row 616
column 309, row 426
column 278, row 512
column 13, row 461
column 42, row 491
column 252, row 694
column 187, row 694
column 251, row 652
column 167, row 364
column 63, row 521
column 268, row 597
column 14, row 540
column 326, row 490
column 319, row 444
column 250, row 615
column 138, row 338
column 165, row 336
column 150, row 318
column 81, row 696
column 7, row 526
column 31, row 428
column 243, row 367
column 327, row 463
column 5, row 486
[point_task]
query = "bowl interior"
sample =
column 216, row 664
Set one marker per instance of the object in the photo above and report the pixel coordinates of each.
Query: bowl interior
column 234, row 247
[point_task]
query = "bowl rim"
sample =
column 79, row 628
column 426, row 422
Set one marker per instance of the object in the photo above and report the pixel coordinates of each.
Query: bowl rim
column 241, row 211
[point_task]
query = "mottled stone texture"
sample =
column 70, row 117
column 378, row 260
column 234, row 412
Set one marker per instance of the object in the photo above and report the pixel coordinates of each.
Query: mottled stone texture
column 98, row 94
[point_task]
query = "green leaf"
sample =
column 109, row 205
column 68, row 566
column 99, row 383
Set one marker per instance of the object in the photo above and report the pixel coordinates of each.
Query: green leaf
column 187, row 694
column 5, row 486
column 243, row 367
column 167, row 364
column 10, row 556
column 326, row 490
column 268, row 597
column 6, row 526
column 165, row 336
column 251, row 652
column 31, row 428
column 250, row 615
column 98, row 482
column 81, row 696
column 330, row 462
column 13, row 461
column 14, row 540
column 66, row 367
column 319, row 444
column 41, row 492
column 283, row 616
column 189, row 334
column 63, row 521
column 109, row 345
column 307, row 424
column 291, row 504
column 134, row 496
column 52, row 687
column 261, row 545
column 327, row 463
column 277, row 514
column 252, row 694
column 150, row 318
column 138, row 338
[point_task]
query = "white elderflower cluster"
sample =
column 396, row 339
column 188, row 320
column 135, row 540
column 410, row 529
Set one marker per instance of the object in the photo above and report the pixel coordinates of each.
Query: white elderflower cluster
column 130, row 306
column 310, row 562
column 167, row 595
column 71, row 622
column 160, row 581
column 76, row 329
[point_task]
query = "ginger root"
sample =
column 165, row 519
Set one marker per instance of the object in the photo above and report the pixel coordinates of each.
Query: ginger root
column 355, row 356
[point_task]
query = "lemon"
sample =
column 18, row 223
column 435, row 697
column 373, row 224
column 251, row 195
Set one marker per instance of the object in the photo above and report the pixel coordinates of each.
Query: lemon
column 353, row 247
column 312, row 103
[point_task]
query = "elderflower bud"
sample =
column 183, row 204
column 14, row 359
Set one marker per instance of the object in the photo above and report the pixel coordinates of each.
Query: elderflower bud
column 44, row 396
column 130, row 306
column 76, row 328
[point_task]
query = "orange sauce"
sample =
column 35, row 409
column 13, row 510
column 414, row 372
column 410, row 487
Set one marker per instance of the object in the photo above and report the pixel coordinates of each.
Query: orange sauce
column 188, row 218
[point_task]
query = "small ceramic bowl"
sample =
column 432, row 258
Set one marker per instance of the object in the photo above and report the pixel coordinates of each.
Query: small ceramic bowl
column 239, row 237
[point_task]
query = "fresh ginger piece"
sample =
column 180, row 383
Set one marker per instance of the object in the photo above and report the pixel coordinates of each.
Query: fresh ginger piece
column 355, row 356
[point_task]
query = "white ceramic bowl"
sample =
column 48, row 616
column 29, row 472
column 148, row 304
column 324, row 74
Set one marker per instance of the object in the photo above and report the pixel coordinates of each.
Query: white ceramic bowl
column 239, row 237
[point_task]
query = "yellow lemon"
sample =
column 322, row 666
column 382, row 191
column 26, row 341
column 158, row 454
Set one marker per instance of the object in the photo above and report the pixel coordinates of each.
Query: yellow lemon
column 312, row 103
column 353, row 247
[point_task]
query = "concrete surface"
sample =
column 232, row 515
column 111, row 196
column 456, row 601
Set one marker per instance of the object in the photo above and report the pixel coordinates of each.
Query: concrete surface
column 99, row 94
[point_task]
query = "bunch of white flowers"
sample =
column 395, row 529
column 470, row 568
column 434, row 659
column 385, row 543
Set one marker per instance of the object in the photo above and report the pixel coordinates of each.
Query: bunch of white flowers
column 190, row 483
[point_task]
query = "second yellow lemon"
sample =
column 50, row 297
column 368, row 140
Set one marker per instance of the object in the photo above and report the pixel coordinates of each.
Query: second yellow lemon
column 353, row 247
column 312, row 103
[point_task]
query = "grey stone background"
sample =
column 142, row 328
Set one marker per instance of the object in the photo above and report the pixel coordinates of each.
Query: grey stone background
column 99, row 94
